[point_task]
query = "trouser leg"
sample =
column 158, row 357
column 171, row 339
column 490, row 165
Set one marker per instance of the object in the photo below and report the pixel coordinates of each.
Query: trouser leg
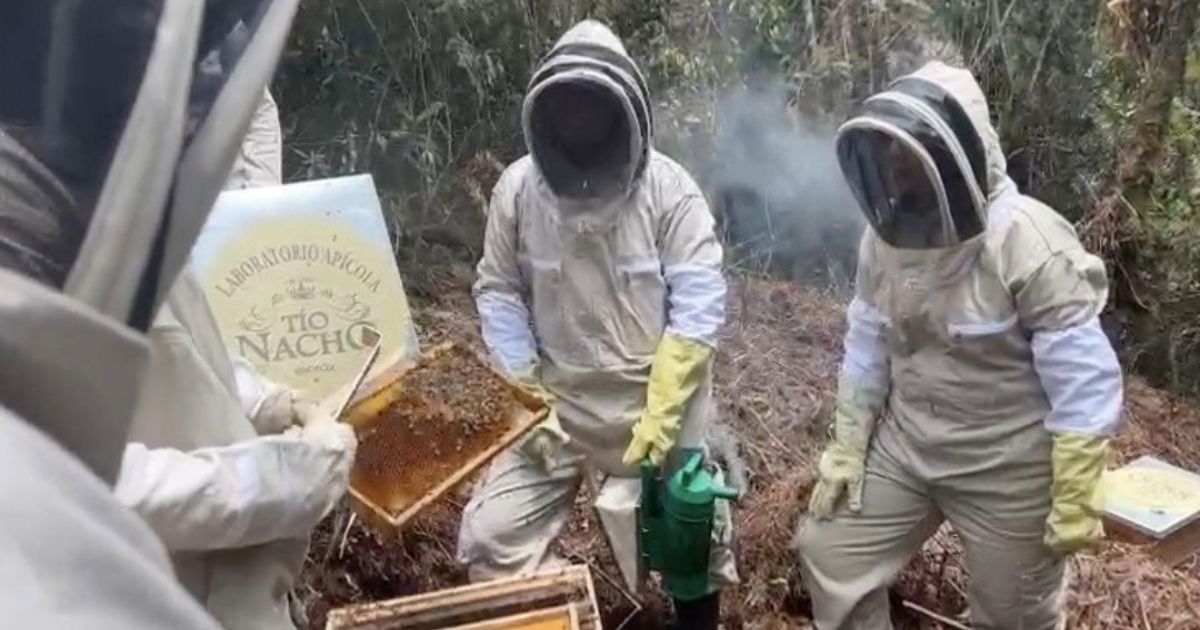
column 722, row 564
column 514, row 515
column 849, row 561
column 1017, row 583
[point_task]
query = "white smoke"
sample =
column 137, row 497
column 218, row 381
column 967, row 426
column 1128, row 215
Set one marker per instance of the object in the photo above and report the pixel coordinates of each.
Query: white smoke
column 781, row 199
column 772, row 176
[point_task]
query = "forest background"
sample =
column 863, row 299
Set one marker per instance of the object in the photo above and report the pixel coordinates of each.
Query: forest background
column 1097, row 103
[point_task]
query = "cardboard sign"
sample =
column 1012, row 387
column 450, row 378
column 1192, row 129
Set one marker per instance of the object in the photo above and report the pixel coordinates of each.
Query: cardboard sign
column 295, row 272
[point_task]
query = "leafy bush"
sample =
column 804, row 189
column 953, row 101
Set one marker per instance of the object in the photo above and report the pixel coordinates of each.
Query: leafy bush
column 426, row 94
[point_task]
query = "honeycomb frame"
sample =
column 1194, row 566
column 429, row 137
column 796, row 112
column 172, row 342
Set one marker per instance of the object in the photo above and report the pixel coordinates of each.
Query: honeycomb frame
column 386, row 500
column 557, row 599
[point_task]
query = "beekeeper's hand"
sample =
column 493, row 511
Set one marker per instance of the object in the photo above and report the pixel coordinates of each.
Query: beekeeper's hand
column 840, row 473
column 272, row 407
column 676, row 373
column 1076, row 502
column 320, row 428
column 545, row 442
column 281, row 408
column 842, row 467
column 337, row 436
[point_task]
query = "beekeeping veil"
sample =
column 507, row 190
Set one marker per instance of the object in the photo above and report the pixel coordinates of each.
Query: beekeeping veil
column 586, row 116
column 118, row 124
column 918, row 162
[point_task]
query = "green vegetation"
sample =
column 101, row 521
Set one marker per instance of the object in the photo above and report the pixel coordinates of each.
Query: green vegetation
column 1098, row 104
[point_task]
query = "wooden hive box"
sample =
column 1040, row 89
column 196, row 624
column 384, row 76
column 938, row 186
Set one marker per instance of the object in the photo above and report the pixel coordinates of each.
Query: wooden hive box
column 1149, row 501
column 422, row 431
column 556, row 600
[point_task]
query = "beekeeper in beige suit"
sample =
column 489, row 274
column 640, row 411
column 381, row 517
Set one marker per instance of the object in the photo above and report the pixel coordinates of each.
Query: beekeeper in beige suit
column 600, row 284
column 977, row 385
column 104, row 184
column 210, row 467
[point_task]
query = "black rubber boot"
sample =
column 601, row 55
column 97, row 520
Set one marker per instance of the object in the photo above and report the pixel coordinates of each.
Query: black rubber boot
column 699, row 614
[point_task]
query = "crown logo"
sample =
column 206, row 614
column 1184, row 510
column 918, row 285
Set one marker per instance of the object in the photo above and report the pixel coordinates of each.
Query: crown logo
column 302, row 289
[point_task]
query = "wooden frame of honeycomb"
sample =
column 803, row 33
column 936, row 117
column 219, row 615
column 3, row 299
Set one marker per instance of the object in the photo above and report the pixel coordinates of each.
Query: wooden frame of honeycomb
column 425, row 426
column 563, row 599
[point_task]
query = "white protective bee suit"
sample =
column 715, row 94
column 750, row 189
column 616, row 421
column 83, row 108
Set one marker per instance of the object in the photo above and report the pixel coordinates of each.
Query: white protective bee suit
column 234, row 509
column 977, row 386
column 110, row 158
column 585, row 277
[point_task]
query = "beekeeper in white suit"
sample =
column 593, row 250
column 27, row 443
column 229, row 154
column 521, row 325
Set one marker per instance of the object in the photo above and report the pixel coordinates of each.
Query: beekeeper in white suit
column 977, row 384
column 231, row 496
column 103, row 187
column 601, row 284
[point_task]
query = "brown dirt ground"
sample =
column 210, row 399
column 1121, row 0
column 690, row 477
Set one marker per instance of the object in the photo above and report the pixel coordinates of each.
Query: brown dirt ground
column 775, row 377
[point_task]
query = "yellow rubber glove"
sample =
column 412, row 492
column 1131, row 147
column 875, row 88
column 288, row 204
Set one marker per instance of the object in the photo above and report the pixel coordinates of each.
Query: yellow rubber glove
column 676, row 373
column 1076, row 500
column 842, row 467
column 546, row 440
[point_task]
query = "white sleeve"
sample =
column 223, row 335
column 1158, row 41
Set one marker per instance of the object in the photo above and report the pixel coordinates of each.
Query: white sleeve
column 503, row 314
column 691, row 259
column 696, row 297
column 1082, row 378
column 252, row 388
column 252, row 492
column 867, row 362
column 507, row 330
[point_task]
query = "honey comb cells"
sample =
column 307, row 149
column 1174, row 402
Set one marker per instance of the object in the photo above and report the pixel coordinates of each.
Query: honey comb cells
column 450, row 407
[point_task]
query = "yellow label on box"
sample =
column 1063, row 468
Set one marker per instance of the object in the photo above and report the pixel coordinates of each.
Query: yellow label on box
column 294, row 273
column 1156, row 489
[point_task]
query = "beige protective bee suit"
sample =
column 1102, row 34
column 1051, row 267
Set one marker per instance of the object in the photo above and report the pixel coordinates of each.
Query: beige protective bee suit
column 577, row 290
column 971, row 369
column 111, row 155
column 234, row 509
column 73, row 556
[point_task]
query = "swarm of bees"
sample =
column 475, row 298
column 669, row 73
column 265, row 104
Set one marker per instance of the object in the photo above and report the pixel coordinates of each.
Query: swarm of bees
column 450, row 408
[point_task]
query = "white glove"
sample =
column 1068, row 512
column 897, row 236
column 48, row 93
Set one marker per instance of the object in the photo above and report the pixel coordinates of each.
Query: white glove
column 272, row 407
column 275, row 412
column 337, row 436
column 283, row 408
column 280, row 409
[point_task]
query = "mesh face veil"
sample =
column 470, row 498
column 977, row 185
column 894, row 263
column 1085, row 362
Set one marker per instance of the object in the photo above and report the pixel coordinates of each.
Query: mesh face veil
column 916, row 166
column 582, row 135
column 118, row 121
column 586, row 116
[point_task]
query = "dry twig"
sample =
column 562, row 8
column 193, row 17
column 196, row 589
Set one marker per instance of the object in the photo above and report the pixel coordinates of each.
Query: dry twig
column 925, row 612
